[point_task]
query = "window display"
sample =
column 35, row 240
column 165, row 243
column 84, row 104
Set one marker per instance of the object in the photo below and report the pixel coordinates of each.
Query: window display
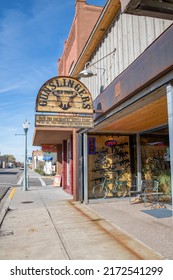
column 109, row 166
column 155, row 156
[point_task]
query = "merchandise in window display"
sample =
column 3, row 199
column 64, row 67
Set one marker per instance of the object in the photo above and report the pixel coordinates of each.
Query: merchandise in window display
column 111, row 162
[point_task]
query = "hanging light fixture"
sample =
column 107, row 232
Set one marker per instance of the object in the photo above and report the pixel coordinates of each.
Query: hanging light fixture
column 87, row 73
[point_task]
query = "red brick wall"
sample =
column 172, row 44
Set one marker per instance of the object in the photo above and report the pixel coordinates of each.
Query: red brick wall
column 85, row 18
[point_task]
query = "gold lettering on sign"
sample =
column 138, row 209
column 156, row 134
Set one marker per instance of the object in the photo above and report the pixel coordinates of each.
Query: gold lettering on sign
column 64, row 95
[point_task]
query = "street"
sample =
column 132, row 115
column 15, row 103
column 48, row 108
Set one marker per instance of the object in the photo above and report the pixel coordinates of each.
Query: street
column 14, row 176
column 10, row 177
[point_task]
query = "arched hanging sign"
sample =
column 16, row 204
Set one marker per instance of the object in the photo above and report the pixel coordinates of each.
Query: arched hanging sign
column 64, row 95
column 69, row 99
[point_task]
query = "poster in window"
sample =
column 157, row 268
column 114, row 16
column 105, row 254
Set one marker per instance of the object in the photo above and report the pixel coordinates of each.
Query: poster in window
column 91, row 145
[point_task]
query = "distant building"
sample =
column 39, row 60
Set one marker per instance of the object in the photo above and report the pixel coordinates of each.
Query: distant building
column 3, row 161
column 37, row 159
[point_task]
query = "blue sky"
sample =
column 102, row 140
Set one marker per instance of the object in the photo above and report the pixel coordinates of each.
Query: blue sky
column 32, row 35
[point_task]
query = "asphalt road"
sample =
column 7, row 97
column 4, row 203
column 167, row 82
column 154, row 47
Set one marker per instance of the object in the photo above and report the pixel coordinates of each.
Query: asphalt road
column 10, row 177
column 13, row 177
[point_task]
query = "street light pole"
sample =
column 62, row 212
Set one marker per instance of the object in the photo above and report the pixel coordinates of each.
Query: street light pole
column 25, row 127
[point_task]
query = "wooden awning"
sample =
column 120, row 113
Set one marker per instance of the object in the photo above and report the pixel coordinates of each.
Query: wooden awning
column 151, row 8
column 50, row 135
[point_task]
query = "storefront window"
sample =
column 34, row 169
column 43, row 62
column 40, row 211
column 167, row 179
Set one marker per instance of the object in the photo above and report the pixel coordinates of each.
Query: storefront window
column 155, row 157
column 109, row 165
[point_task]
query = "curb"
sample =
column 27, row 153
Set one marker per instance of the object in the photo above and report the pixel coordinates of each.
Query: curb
column 4, row 192
column 6, row 206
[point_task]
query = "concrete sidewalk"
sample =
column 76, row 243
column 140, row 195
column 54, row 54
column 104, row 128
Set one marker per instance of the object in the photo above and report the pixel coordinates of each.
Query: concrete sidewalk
column 45, row 223
column 153, row 227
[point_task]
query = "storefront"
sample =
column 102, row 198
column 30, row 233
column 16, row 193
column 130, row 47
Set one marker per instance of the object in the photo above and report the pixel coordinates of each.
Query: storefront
column 138, row 114
column 129, row 59
column 113, row 160
column 63, row 106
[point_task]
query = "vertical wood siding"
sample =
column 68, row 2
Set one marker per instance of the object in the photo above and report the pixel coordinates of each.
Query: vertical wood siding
column 130, row 35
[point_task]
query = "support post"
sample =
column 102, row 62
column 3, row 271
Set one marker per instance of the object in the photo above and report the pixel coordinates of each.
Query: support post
column 138, row 162
column 169, row 89
column 80, row 167
column 75, row 167
column 85, row 150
